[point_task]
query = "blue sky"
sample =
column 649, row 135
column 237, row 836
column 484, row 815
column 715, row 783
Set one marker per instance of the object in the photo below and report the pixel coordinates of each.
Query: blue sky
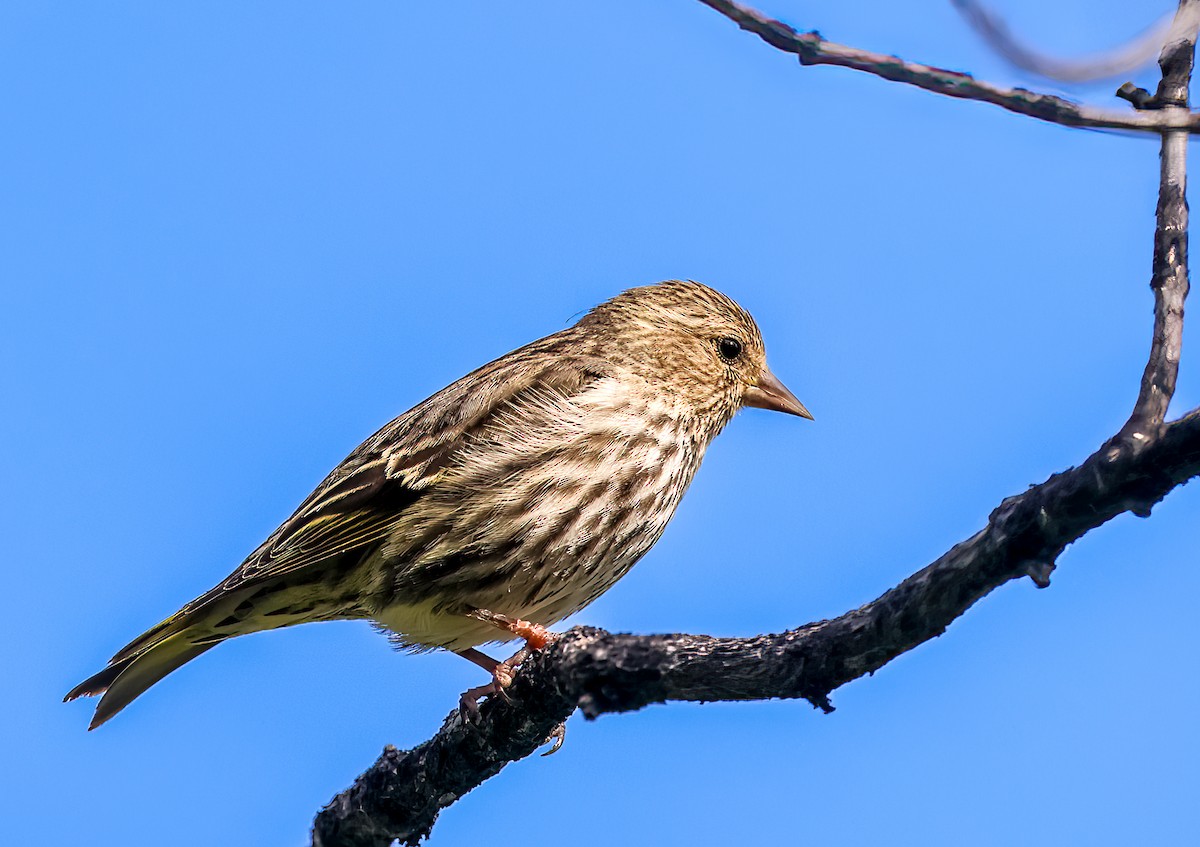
column 237, row 238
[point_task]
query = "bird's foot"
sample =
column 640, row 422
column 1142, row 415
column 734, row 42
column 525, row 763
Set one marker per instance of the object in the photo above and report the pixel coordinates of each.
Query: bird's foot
column 536, row 636
column 556, row 738
column 468, row 701
column 502, row 677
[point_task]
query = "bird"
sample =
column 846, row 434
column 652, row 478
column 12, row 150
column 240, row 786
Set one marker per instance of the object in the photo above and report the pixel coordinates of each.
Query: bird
column 500, row 505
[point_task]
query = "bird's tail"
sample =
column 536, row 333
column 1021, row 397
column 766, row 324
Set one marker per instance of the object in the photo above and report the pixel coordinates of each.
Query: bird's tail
column 143, row 662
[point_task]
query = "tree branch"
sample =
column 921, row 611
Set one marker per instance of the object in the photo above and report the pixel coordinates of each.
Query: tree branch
column 812, row 49
column 400, row 796
column 1170, row 268
column 1117, row 62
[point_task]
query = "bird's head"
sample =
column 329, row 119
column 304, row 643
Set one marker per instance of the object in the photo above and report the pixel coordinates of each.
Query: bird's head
column 695, row 344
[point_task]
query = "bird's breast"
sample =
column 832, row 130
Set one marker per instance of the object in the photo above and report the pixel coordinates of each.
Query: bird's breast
column 549, row 506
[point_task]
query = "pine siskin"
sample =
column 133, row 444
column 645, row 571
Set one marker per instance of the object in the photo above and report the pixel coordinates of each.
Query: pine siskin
column 519, row 493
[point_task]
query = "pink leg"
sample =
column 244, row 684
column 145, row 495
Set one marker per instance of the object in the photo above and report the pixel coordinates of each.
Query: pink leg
column 482, row 659
column 468, row 701
column 536, row 637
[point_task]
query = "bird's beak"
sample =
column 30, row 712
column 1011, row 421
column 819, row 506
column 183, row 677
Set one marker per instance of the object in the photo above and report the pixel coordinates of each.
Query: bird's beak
column 772, row 394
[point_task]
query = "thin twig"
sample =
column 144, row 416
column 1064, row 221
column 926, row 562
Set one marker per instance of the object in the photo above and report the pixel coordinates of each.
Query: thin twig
column 1113, row 63
column 1170, row 268
column 400, row 796
column 812, row 49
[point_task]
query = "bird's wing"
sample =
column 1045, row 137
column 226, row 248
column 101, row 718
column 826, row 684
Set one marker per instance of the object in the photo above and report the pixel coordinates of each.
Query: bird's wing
column 365, row 497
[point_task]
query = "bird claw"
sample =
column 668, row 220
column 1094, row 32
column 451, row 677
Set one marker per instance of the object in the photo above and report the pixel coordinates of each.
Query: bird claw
column 502, row 677
column 557, row 736
column 536, row 637
column 468, row 701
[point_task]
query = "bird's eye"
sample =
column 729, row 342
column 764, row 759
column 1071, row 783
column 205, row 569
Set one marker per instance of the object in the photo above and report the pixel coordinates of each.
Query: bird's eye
column 729, row 348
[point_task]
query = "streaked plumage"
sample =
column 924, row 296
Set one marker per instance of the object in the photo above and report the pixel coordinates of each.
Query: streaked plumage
column 526, row 488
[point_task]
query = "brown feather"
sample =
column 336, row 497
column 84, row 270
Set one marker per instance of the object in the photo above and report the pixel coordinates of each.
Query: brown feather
column 528, row 487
